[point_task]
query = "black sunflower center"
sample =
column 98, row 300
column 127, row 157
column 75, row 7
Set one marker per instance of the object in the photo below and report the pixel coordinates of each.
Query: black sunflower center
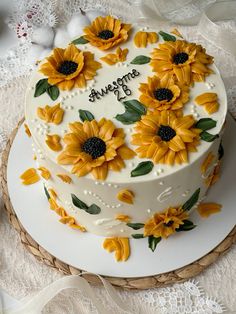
column 163, row 94
column 67, row 67
column 169, row 223
column 94, row 146
column 106, row 34
column 166, row 133
column 180, row 58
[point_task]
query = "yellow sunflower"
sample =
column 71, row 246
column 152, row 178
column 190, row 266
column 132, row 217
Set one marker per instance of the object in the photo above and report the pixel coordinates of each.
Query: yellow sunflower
column 165, row 223
column 187, row 62
column 106, row 32
column 163, row 94
column 95, row 147
column 70, row 67
column 165, row 138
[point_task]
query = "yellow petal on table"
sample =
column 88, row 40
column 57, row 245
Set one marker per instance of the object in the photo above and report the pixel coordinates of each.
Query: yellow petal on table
column 126, row 196
column 45, row 173
column 207, row 209
column 65, row 178
column 30, row 176
column 120, row 246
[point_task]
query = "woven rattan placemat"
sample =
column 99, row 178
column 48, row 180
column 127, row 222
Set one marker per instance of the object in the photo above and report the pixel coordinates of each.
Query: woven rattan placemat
column 34, row 248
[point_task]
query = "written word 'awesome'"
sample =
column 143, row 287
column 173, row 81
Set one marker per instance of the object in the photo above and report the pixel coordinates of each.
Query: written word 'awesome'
column 115, row 87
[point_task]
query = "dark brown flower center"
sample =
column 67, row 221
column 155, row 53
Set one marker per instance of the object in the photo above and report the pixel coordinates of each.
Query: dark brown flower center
column 94, row 146
column 106, row 34
column 180, row 58
column 163, row 94
column 169, row 223
column 166, row 133
column 67, row 67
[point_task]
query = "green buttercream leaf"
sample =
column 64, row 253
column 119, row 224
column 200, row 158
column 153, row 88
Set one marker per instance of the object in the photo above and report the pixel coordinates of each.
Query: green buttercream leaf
column 41, row 87
column 133, row 112
column 78, row 203
column 188, row 225
column 53, row 92
column 85, row 115
column 207, row 137
column 46, row 192
column 205, row 124
column 93, row 209
column 167, row 37
column 152, row 242
column 192, row 201
column 221, row 151
column 80, row 41
column 143, row 168
column 137, row 236
column 135, row 226
column 141, row 60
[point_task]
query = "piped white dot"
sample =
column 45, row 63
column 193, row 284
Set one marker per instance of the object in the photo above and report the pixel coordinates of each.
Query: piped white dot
column 85, row 192
column 149, row 210
column 161, row 183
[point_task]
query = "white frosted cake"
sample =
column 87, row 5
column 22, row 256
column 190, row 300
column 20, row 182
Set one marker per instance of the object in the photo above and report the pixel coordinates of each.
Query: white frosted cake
column 126, row 126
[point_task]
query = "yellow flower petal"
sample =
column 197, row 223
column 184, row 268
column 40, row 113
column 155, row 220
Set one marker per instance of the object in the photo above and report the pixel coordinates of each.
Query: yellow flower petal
column 209, row 101
column 53, row 142
column 123, row 218
column 126, row 196
column 27, row 130
column 176, row 32
column 30, row 176
column 207, row 162
column 120, row 246
column 65, row 178
column 52, row 193
column 45, row 173
column 207, row 209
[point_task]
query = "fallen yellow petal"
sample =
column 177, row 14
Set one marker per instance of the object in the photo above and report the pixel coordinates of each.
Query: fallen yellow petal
column 27, row 130
column 207, row 209
column 123, row 218
column 53, row 142
column 30, row 176
column 45, row 173
column 120, row 246
column 176, row 32
column 64, row 178
column 126, row 196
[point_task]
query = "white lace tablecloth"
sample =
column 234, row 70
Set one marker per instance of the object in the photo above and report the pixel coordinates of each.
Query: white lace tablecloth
column 21, row 274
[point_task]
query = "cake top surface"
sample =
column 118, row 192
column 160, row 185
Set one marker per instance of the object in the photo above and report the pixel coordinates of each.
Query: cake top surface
column 121, row 97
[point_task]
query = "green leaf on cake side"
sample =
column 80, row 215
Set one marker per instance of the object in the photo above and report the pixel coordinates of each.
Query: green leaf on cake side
column 141, row 60
column 187, row 226
column 137, row 236
column 80, row 41
column 53, row 92
column 143, row 168
column 135, row 226
column 205, row 124
column 133, row 112
column 192, row 201
column 46, row 192
column 78, row 203
column 207, row 137
column 85, row 115
column 167, row 37
column 152, row 242
column 43, row 86
column 221, row 151
column 92, row 209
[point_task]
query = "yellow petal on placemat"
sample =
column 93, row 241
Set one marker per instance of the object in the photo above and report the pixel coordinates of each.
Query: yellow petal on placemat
column 64, row 178
column 120, row 246
column 207, row 209
column 45, row 173
column 30, row 176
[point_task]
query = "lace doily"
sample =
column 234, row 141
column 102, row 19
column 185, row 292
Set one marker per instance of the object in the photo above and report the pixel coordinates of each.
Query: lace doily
column 21, row 274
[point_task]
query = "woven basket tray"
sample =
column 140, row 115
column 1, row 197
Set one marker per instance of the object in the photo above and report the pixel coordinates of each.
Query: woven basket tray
column 42, row 255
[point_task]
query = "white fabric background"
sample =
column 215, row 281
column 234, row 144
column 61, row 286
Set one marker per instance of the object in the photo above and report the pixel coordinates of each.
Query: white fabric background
column 21, row 274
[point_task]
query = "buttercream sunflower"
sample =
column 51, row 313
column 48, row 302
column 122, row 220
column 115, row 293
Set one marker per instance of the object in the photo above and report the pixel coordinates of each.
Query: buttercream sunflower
column 70, row 67
column 95, row 147
column 186, row 62
column 106, row 32
column 163, row 94
column 165, row 223
column 166, row 138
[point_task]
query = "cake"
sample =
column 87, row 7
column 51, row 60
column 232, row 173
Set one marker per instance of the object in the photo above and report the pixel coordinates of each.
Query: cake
column 126, row 125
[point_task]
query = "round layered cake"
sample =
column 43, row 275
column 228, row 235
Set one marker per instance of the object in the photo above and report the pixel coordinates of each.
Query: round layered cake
column 126, row 126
